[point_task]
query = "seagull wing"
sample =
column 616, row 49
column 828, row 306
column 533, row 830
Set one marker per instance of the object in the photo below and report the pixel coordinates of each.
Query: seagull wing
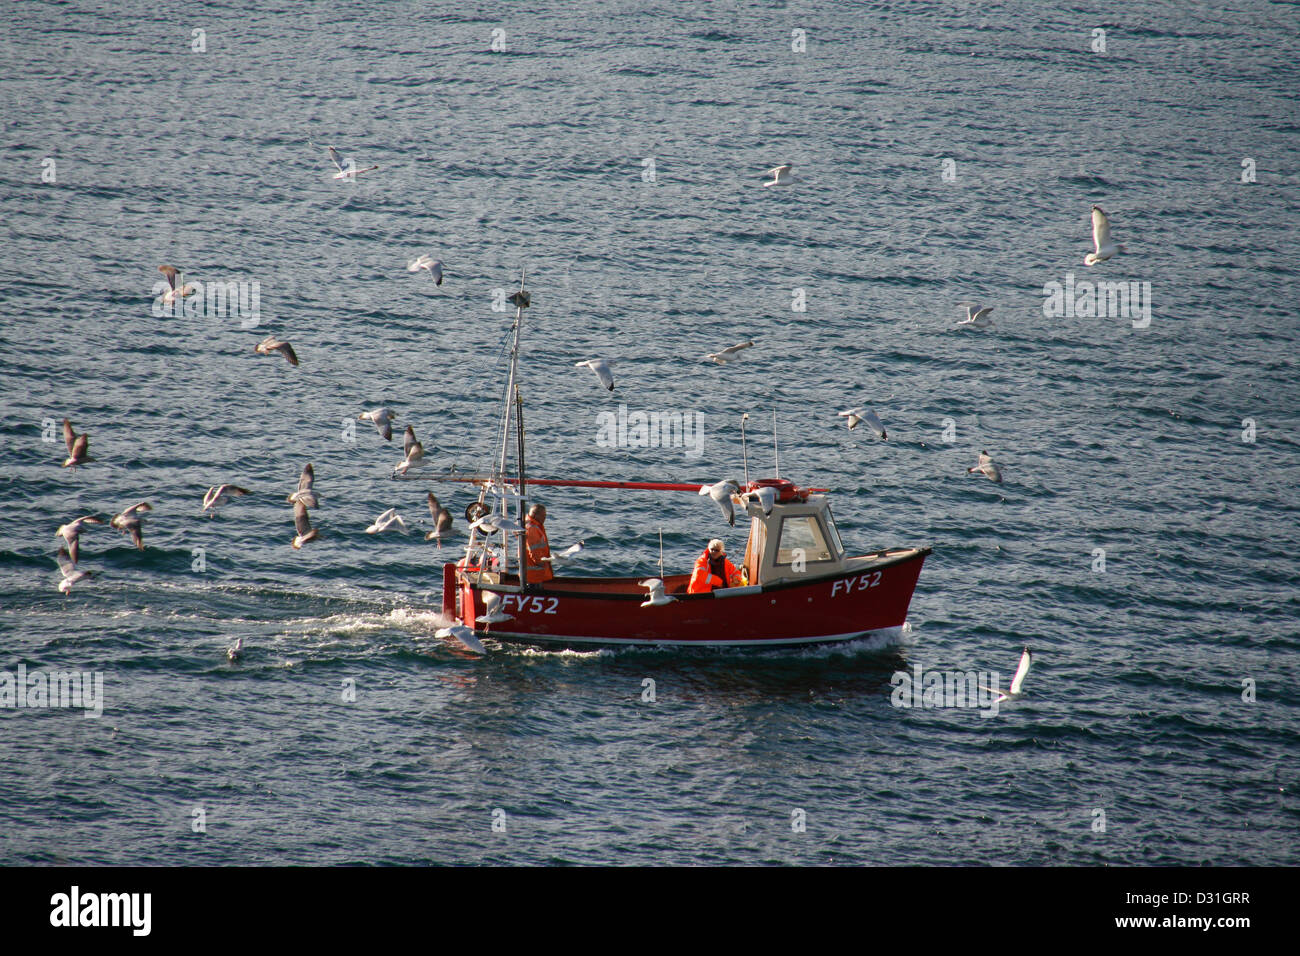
column 170, row 273
column 66, row 563
column 1025, row 659
column 307, row 477
column 1100, row 229
column 301, row 523
column 409, row 441
column 336, row 159
column 69, row 436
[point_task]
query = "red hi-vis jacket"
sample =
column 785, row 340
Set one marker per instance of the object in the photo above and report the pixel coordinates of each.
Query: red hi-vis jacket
column 538, row 548
column 704, row 580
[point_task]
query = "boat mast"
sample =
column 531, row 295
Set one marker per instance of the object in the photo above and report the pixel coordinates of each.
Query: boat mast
column 510, row 399
column 523, row 493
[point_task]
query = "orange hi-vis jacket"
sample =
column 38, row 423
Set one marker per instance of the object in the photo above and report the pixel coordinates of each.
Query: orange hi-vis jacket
column 538, row 548
column 704, row 580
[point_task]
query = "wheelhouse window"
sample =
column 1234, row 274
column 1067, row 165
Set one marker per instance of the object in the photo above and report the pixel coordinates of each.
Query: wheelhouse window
column 802, row 534
column 834, row 532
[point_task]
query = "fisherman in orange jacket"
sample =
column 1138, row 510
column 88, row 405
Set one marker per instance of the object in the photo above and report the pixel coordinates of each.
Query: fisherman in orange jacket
column 713, row 570
column 538, row 546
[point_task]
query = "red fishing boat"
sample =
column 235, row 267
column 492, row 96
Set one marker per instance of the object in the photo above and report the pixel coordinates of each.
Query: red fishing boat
column 799, row 583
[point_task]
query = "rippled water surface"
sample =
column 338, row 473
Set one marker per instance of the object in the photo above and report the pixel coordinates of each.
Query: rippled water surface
column 616, row 150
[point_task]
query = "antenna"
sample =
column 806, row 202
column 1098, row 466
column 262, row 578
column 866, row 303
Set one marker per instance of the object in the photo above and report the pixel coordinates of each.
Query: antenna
column 776, row 449
column 744, row 449
column 661, row 553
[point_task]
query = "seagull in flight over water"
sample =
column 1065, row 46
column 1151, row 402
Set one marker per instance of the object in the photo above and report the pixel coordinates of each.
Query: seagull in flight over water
column 781, row 175
column 1017, row 681
column 721, row 493
column 601, row 368
column 987, row 468
column 1104, row 247
column 346, row 168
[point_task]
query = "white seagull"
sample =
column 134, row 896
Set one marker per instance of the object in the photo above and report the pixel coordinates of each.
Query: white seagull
column 987, row 468
column 1017, row 681
column 304, row 495
column 601, row 368
column 434, row 267
column 1102, row 243
column 567, row 553
column 781, row 175
column 492, row 524
column 441, row 521
column 272, row 344
column 857, row 415
column 766, row 498
column 383, row 419
column 386, row 521
column 728, row 354
column 218, row 495
column 71, row 533
column 414, row 453
column 70, row 573
column 492, row 608
column 235, row 652
column 977, row 317
column 346, row 168
column 463, row 634
column 129, row 522
column 655, row 596
column 721, row 493
column 78, row 446
column 174, row 293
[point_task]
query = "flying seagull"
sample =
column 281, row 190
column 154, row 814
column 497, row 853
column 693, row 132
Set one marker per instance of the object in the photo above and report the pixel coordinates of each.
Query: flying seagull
column 781, row 175
column 304, row 495
column 655, row 596
column 857, row 415
column 1104, row 247
column 567, row 553
column 433, row 266
column 302, row 524
column 766, row 498
column 173, row 293
column 987, row 468
column 386, row 521
column 70, row 573
column 441, row 521
column 721, row 493
column 78, row 446
column 978, row 318
column 346, row 168
column 71, row 533
column 492, row 609
column 129, row 522
column 272, row 344
column 601, row 368
column 1017, row 681
column 492, row 524
column 218, row 495
column 728, row 354
column 414, row 453
column 383, row 419
column 463, row 634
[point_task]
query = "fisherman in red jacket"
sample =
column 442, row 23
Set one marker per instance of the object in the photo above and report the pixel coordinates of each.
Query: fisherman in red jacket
column 538, row 547
column 713, row 570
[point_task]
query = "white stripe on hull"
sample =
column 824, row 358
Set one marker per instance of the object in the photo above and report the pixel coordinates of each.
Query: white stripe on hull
column 631, row 642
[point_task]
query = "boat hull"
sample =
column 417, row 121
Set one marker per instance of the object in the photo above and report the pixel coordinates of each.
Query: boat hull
column 871, row 595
